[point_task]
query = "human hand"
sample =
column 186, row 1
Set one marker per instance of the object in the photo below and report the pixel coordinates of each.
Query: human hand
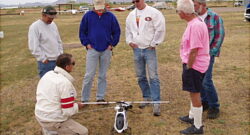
column 80, row 105
column 110, row 47
column 151, row 48
column 188, row 67
column 46, row 62
column 133, row 45
column 214, row 51
column 89, row 46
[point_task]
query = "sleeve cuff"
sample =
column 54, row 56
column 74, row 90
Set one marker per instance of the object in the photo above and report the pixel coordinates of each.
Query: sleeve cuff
column 153, row 45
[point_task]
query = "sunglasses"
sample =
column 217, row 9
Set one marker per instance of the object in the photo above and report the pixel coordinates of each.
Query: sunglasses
column 51, row 13
column 135, row 1
column 73, row 63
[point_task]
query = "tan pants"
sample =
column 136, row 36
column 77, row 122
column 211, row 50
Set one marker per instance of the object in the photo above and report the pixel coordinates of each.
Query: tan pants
column 68, row 127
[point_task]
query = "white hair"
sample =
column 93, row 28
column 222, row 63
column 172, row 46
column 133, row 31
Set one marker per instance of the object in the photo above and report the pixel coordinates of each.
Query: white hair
column 187, row 6
column 200, row 1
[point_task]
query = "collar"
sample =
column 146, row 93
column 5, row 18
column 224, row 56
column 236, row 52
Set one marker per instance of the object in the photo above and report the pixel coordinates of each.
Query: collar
column 209, row 12
column 64, row 73
column 203, row 16
column 105, row 10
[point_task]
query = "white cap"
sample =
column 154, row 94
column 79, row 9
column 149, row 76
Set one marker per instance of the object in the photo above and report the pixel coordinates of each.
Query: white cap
column 99, row 4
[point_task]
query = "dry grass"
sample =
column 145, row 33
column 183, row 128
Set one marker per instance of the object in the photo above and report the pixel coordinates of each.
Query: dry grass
column 231, row 76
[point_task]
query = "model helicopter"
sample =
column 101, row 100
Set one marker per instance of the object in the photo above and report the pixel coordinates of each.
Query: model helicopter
column 121, row 123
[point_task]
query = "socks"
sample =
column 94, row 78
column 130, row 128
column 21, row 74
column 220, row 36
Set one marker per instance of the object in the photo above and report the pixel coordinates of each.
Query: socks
column 191, row 114
column 197, row 113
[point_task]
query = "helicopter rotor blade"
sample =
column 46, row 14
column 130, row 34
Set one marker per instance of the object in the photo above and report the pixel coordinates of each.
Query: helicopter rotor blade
column 98, row 103
column 126, row 102
column 148, row 102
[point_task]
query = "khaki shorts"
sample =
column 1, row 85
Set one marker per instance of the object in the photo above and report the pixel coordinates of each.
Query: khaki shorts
column 68, row 127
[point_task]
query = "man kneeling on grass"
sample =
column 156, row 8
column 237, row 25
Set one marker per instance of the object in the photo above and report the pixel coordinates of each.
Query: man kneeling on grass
column 56, row 100
column 195, row 58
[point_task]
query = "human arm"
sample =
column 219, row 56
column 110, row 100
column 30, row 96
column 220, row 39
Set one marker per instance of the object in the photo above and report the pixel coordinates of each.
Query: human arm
column 59, row 40
column 191, row 58
column 198, row 42
column 116, row 32
column 83, row 31
column 128, row 31
column 219, row 34
column 34, row 44
column 67, row 99
column 160, row 29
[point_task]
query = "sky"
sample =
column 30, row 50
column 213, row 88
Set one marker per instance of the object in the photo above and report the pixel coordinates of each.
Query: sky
column 16, row 2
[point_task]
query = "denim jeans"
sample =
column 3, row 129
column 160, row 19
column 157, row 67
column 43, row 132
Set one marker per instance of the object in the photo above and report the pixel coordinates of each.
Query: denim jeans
column 44, row 68
column 147, row 59
column 93, row 59
column 209, row 94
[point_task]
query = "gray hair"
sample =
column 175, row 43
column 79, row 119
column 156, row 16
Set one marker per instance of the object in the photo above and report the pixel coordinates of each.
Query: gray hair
column 200, row 1
column 187, row 6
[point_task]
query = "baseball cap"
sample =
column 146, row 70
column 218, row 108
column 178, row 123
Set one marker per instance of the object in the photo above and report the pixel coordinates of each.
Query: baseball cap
column 50, row 11
column 99, row 4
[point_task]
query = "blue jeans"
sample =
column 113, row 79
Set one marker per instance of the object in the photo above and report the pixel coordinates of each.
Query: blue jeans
column 147, row 59
column 44, row 68
column 209, row 94
column 93, row 59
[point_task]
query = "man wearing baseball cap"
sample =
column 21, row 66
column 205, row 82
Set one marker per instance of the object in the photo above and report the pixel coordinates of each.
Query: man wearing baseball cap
column 49, row 11
column 44, row 40
column 99, row 32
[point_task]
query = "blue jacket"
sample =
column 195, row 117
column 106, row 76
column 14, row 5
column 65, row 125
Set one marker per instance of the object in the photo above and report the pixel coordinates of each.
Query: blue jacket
column 99, row 31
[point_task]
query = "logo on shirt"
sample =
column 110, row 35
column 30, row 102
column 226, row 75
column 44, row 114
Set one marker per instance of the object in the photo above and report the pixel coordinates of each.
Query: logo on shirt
column 148, row 19
column 72, row 94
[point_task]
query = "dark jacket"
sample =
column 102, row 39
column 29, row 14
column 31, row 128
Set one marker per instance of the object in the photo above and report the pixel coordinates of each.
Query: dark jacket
column 99, row 31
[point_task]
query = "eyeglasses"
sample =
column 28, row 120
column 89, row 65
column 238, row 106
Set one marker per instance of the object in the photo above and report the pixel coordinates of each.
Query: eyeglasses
column 73, row 63
column 135, row 1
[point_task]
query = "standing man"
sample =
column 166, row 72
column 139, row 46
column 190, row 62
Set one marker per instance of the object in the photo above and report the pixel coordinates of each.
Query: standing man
column 194, row 53
column 99, row 33
column 56, row 100
column 216, row 31
column 145, row 29
column 44, row 41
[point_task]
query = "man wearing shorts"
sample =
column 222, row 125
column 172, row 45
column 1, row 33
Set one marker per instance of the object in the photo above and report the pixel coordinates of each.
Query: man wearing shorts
column 194, row 53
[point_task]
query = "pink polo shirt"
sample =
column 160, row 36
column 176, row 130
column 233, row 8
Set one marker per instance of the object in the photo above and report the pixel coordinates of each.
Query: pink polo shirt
column 196, row 36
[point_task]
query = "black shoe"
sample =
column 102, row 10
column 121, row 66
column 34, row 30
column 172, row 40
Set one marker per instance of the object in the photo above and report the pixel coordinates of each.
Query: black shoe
column 192, row 130
column 213, row 113
column 186, row 119
column 102, row 100
column 205, row 106
column 143, row 105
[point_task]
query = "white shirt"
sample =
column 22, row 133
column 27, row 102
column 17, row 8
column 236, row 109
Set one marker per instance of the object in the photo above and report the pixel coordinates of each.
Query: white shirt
column 203, row 16
column 151, row 29
column 44, row 41
column 55, row 96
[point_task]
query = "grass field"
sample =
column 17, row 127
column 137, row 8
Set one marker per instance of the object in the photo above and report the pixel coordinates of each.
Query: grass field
column 18, row 74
